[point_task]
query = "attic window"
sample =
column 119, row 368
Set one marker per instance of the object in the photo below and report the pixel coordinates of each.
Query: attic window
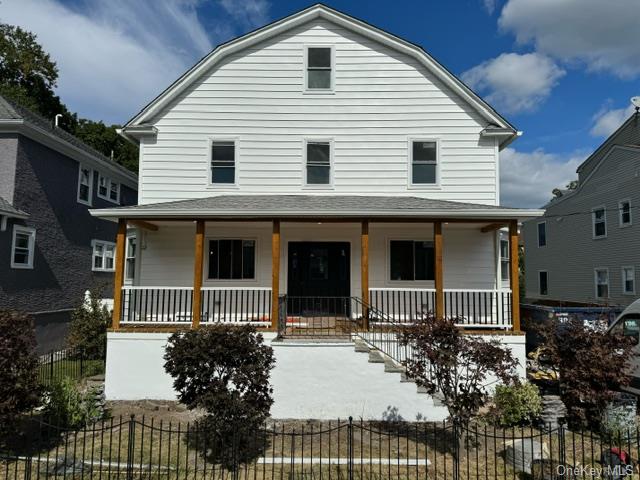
column 319, row 68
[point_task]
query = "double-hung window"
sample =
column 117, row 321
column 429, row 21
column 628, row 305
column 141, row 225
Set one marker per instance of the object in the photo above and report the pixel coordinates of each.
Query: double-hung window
column 542, row 234
column 319, row 69
column 411, row 260
column 543, row 283
column 424, row 162
column 504, row 259
column 85, row 185
column 624, row 209
column 318, row 168
column 104, row 254
column 628, row 280
column 108, row 189
column 22, row 247
column 232, row 259
column 223, row 162
column 130, row 257
column 599, row 218
column 602, row 282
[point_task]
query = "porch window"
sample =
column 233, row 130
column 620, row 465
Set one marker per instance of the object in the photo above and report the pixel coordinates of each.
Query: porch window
column 318, row 163
column 232, row 259
column 319, row 71
column 223, row 162
column 85, row 185
column 411, row 260
column 628, row 280
column 130, row 257
column 602, row 282
column 543, row 286
column 104, row 254
column 599, row 222
column 424, row 161
column 504, row 259
column 22, row 247
column 624, row 207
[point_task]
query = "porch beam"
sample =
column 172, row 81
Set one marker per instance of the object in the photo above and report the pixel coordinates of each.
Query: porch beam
column 198, row 263
column 275, row 273
column 492, row 227
column 118, row 281
column 514, row 275
column 144, row 225
column 438, row 274
column 364, row 270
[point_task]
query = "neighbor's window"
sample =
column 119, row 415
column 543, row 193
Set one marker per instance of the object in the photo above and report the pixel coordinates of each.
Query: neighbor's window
column 543, row 285
column 599, row 222
column 104, row 254
column 85, row 185
column 411, row 260
column 602, row 282
column 542, row 234
column 319, row 68
column 130, row 257
column 318, row 163
column 628, row 280
column 424, row 162
column 624, row 207
column 504, row 259
column 232, row 259
column 223, row 162
column 108, row 189
column 22, row 247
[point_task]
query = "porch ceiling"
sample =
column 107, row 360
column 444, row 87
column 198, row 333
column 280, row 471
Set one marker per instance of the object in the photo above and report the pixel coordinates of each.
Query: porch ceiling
column 316, row 206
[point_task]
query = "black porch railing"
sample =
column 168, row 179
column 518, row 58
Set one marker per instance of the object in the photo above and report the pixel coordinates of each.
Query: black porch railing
column 236, row 305
column 157, row 305
column 319, row 316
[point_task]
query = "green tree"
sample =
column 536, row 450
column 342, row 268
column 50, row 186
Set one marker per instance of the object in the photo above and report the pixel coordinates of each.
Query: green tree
column 105, row 139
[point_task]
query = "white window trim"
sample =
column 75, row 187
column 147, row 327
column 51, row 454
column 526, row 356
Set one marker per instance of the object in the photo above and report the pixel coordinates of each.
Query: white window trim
column 438, row 163
column 236, row 163
column 593, row 222
column 104, row 244
column 226, row 281
column 595, row 282
column 314, row 186
column 620, row 223
column 32, row 244
column 109, row 183
column 546, row 240
column 89, row 201
column 319, row 91
column 413, row 283
column 633, row 273
column 539, row 290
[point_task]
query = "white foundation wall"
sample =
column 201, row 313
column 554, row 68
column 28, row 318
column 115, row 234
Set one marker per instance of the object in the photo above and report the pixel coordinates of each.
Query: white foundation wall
column 320, row 381
column 469, row 256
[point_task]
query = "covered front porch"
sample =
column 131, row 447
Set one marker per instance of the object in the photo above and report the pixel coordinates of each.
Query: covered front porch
column 318, row 272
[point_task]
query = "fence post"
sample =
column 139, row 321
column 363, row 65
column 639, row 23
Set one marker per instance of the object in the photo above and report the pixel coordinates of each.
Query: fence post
column 350, row 448
column 457, row 431
column 561, row 444
column 81, row 363
column 131, row 447
column 51, row 366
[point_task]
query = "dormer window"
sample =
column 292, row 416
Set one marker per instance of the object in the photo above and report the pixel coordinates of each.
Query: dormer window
column 319, row 69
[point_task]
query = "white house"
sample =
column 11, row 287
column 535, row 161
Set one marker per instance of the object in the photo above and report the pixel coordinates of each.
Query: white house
column 316, row 177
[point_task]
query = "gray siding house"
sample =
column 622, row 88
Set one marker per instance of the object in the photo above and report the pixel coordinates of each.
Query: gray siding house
column 51, row 249
column 586, row 248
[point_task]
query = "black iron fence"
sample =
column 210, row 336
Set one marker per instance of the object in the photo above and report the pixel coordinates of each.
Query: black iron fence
column 319, row 316
column 149, row 449
column 72, row 363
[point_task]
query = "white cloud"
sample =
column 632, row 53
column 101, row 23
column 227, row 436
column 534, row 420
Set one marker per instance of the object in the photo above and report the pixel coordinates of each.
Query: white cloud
column 607, row 120
column 116, row 56
column 603, row 34
column 490, row 5
column 513, row 82
column 527, row 178
column 250, row 13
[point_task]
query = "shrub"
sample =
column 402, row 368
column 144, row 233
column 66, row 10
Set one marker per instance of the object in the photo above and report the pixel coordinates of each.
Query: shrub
column 518, row 404
column 224, row 370
column 19, row 387
column 88, row 329
column 68, row 407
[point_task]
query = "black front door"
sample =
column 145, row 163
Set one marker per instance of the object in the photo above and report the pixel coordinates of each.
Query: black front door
column 318, row 277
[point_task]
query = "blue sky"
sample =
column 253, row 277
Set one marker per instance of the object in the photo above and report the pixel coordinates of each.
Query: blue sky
column 562, row 71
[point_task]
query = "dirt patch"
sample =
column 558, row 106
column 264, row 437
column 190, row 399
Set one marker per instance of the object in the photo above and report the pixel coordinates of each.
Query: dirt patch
column 160, row 410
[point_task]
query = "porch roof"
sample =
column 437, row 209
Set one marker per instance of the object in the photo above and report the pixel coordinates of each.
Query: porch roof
column 315, row 206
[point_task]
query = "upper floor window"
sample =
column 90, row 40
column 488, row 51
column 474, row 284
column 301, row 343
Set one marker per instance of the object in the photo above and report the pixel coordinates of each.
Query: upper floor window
column 104, row 254
column 504, row 259
column 628, row 280
column 85, row 185
column 319, row 68
column 602, row 282
column 318, row 163
column 624, row 208
column 424, row 162
column 108, row 189
column 223, row 162
column 542, row 234
column 232, row 259
column 599, row 222
column 411, row 260
column 22, row 247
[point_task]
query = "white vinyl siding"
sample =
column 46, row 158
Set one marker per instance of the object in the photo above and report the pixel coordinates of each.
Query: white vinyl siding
column 23, row 247
column 381, row 98
column 104, row 255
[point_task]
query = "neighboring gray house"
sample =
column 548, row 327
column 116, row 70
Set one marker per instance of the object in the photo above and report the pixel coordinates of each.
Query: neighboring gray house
column 586, row 249
column 51, row 249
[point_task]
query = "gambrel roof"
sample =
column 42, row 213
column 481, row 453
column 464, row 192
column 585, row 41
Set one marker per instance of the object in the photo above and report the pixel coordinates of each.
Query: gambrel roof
column 496, row 124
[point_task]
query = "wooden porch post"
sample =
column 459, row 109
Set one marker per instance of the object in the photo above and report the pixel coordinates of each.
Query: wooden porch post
column 275, row 273
column 438, row 276
column 514, row 274
column 364, row 270
column 121, row 237
column 196, row 306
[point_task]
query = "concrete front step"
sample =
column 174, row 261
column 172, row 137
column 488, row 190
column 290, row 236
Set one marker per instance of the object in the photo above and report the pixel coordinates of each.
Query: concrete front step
column 361, row 346
column 375, row 356
column 390, row 366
